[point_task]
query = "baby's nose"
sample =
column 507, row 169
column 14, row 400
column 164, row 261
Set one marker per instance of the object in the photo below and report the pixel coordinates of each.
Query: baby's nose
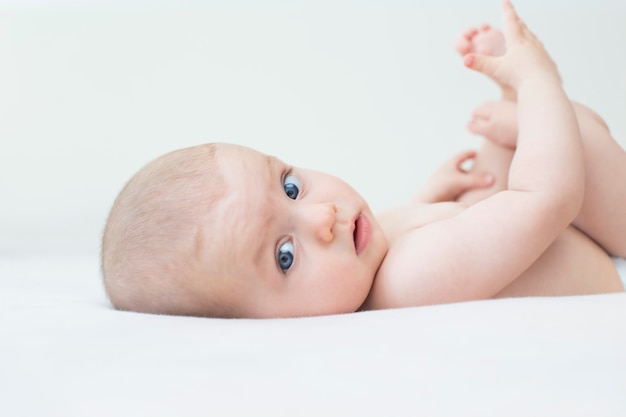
column 321, row 218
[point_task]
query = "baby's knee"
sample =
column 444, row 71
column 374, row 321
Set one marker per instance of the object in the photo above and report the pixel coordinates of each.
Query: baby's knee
column 588, row 118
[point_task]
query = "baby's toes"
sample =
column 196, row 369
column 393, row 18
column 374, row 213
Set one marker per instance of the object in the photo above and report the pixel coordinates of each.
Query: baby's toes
column 463, row 44
column 470, row 33
column 480, row 126
column 496, row 121
column 484, row 111
column 490, row 42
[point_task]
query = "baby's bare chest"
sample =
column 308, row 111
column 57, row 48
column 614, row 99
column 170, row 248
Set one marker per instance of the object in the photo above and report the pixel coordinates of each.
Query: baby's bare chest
column 403, row 219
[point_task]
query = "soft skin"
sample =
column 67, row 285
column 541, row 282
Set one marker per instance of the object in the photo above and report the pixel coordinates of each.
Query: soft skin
column 316, row 227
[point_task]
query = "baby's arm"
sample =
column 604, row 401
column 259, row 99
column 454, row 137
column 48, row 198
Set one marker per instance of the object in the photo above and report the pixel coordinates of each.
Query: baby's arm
column 549, row 156
column 480, row 251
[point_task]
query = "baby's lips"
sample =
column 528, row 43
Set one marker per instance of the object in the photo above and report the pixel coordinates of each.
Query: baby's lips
column 362, row 233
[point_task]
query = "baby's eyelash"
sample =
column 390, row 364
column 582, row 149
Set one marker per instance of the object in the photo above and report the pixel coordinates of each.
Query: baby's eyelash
column 286, row 172
column 285, row 253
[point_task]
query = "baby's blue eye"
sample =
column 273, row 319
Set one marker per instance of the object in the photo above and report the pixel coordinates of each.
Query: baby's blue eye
column 285, row 256
column 291, row 186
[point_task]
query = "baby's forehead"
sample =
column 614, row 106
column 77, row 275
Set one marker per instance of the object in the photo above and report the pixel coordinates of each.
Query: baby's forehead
column 245, row 166
column 243, row 215
column 248, row 179
column 238, row 152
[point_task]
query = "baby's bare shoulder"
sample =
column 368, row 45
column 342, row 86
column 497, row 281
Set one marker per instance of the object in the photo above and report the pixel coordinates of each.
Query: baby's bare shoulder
column 411, row 216
column 404, row 277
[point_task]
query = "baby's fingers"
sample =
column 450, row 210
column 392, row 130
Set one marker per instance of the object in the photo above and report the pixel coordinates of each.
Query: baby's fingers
column 479, row 180
column 513, row 25
column 461, row 159
column 468, row 181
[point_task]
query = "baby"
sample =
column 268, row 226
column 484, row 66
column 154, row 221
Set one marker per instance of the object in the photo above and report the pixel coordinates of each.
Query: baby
column 224, row 231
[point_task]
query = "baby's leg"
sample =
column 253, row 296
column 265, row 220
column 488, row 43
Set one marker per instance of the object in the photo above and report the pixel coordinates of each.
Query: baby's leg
column 602, row 215
column 486, row 41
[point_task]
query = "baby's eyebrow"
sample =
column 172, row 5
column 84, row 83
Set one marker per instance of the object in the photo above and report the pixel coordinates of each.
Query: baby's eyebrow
column 260, row 251
column 272, row 165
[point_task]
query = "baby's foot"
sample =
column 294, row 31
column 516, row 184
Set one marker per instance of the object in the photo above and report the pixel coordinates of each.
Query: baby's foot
column 496, row 121
column 483, row 40
column 525, row 61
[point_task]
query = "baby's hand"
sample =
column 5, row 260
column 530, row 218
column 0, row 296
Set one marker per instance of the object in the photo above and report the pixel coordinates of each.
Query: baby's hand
column 525, row 57
column 451, row 180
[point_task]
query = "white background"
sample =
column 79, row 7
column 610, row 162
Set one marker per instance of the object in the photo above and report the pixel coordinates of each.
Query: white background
column 371, row 91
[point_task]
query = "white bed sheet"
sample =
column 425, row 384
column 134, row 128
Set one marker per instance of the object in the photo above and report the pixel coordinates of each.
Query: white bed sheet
column 65, row 352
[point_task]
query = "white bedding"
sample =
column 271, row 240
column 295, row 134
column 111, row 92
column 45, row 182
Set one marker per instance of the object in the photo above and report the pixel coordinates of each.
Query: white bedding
column 65, row 352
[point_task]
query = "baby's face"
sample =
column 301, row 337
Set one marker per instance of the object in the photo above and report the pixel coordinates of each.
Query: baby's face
column 291, row 242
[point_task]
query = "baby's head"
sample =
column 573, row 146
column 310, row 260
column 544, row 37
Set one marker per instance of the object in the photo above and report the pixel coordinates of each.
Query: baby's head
column 224, row 231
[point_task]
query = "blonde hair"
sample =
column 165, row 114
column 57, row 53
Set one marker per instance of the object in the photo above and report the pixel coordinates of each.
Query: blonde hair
column 152, row 235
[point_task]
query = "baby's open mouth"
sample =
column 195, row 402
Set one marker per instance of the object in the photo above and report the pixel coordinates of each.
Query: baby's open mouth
column 361, row 233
